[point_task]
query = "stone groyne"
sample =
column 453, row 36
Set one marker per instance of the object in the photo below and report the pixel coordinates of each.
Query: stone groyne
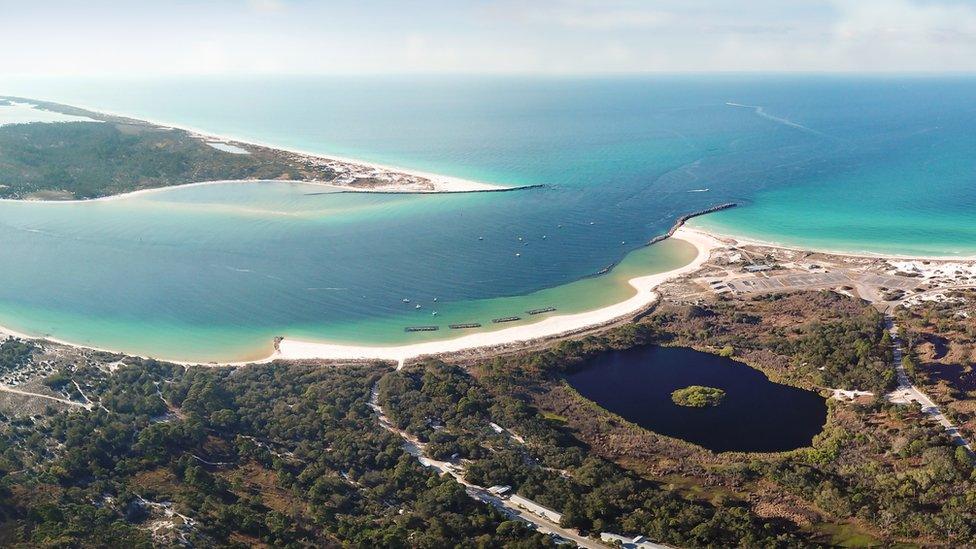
column 681, row 220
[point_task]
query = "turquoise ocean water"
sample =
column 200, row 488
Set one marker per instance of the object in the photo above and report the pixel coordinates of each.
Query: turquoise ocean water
column 213, row 273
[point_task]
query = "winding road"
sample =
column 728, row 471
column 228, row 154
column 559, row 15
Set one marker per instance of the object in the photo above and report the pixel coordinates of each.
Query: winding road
column 907, row 393
column 415, row 448
column 8, row 389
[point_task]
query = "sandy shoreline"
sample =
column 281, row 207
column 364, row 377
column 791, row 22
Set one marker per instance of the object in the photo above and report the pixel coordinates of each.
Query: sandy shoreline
column 338, row 189
column 440, row 183
column 8, row 332
column 293, row 349
column 750, row 241
column 132, row 194
column 553, row 326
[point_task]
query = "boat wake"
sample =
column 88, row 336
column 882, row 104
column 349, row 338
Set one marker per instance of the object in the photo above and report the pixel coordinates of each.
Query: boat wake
column 761, row 112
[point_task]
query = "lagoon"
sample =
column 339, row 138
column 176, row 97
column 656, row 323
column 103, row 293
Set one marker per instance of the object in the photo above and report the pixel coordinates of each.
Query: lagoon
column 216, row 272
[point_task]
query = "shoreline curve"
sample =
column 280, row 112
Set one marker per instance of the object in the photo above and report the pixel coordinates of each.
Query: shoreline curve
column 554, row 326
column 449, row 184
column 743, row 240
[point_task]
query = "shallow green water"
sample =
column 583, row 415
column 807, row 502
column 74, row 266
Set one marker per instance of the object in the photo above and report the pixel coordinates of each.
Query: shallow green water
column 216, row 272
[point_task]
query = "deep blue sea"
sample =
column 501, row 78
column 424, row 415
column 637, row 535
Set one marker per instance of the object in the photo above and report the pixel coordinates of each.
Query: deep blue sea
column 881, row 164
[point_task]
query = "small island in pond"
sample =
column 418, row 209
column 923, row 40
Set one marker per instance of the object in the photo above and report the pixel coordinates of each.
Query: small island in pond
column 697, row 396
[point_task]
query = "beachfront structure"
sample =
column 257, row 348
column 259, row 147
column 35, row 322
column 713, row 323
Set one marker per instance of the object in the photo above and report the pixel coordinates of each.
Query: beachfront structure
column 536, row 509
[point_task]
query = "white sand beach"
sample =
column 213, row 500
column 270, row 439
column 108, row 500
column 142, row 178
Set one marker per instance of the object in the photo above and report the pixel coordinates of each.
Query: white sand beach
column 550, row 327
column 741, row 240
column 294, row 349
column 154, row 190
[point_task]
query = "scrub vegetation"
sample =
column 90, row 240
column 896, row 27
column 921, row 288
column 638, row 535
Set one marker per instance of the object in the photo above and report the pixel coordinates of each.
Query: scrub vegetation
column 697, row 396
column 291, row 454
column 77, row 160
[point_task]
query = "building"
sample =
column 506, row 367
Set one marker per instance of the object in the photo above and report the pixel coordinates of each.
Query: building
column 499, row 489
column 757, row 267
column 536, row 509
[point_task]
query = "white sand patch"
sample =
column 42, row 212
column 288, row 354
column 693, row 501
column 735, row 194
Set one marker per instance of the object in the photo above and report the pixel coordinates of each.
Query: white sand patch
column 739, row 240
column 848, row 395
column 26, row 113
column 227, row 147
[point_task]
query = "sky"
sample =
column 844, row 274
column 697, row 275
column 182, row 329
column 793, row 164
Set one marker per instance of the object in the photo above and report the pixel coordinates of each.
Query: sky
column 139, row 37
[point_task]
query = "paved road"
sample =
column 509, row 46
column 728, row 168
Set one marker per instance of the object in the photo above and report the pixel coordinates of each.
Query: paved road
column 907, row 393
column 415, row 448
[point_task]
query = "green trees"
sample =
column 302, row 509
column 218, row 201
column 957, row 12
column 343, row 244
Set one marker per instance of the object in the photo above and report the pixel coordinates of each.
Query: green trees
column 14, row 353
column 92, row 159
column 285, row 455
column 698, row 396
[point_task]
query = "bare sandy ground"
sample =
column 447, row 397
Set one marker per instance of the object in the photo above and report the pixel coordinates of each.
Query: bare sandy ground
column 550, row 327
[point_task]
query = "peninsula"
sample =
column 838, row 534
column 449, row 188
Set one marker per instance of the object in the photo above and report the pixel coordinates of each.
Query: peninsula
column 50, row 151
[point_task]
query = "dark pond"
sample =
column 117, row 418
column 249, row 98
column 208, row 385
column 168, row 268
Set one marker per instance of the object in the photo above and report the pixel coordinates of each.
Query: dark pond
column 756, row 415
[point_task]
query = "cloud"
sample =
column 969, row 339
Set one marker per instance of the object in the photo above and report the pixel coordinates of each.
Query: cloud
column 904, row 33
column 585, row 14
column 266, row 6
column 611, row 19
column 491, row 36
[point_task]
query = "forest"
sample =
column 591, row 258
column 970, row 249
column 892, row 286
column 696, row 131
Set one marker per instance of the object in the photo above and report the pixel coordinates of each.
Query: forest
column 274, row 455
column 114, row 155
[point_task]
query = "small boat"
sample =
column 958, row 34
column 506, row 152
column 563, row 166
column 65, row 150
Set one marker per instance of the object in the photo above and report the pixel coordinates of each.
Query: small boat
column 405, row 300
column 433, row 313
column 543, row 237
column 520, row 239
column 481, row 238
column 417, row 306
column 518, row 254
column 435, row 299
column 623, row 241
column 592, row 222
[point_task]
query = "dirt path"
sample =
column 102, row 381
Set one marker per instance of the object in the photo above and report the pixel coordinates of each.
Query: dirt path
column 8, row 389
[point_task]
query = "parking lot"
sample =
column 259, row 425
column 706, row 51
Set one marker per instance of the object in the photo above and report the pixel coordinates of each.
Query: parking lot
column 800, row 281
